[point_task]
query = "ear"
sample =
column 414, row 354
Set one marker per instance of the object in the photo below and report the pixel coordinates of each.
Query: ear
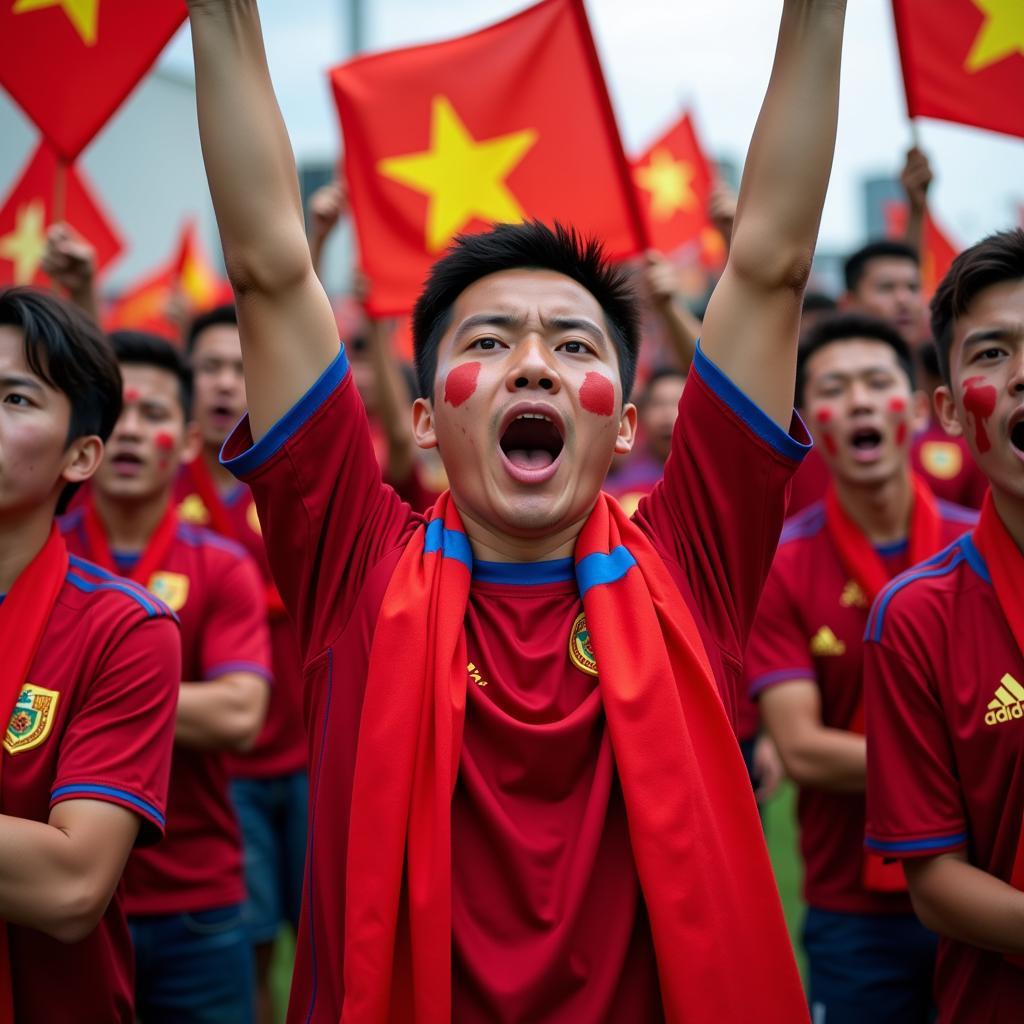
column 423, row 431
column 193, row 442
column 920, row 411
column 627, row 430
column 82, row 459
column 946, row 409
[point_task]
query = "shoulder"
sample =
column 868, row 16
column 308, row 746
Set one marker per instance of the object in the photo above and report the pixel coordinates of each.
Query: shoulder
column 109, row 598
column 210, row 545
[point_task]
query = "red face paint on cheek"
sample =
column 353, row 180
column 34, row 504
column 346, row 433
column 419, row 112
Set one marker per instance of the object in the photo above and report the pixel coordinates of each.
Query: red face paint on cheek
column 131, row 395
column 164, row 441
column 830, row 444
column 597, row 394
column 823, row 417
column 980, row 402
column 460, row 384
column 897, row 406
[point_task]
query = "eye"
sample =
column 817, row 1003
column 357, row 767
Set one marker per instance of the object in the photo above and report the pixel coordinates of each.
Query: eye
column 989, row 353
column 16, row 399
column 487, row 344
column 573, row 347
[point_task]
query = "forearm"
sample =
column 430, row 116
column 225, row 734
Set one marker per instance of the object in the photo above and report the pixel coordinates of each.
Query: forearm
column 219, row 715
column 824, row 758
column 86, row 299
column 682, row 329
column 316, row 253
column 392, row 403
column 914, row 234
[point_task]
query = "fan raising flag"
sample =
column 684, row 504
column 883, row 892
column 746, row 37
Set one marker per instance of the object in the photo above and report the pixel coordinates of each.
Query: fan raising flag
column 30, row 209
column 433, row 147
column 71, row 63
column 963, row 60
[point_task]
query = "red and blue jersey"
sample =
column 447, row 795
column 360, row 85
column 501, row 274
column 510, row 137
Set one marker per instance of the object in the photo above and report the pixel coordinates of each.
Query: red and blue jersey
column 944, row 679
column 548, row 919
column 95, row 721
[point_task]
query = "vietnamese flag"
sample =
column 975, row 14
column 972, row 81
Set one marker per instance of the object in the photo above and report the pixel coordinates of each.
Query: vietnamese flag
column 71, row 63
column 963, row 60
column 28, row 212
column 937, row 251
column 675, row 180
column 201, row 286
column 508, row 123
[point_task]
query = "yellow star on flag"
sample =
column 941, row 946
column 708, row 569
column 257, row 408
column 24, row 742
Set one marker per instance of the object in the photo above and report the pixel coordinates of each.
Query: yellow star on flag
column 1000, row 37
column 25, row 245
column 464, row 178
column 81, row 13
column 670, row 183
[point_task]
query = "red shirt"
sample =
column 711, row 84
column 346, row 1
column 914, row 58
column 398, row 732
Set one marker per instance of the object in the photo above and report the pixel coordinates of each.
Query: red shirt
column 281, row 746
column 810, row 625
column 944, row 772
column 215, row 589
column 548, row 922
column 109, row 665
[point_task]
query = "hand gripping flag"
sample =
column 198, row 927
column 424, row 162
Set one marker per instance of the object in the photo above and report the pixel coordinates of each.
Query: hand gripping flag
column 511, row 122
column 963, row 60
column 30, row 209
column 71, row 63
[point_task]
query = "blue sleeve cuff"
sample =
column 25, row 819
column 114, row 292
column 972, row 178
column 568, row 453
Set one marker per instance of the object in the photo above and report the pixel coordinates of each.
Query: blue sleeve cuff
column 223, row 669
column 794, row 445
column 110, row 794
column 253, row 456
column 930, row 844
column 782, row 675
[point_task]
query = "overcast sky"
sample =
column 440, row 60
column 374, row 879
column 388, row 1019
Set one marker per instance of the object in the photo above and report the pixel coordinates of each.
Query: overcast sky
column 660, row 55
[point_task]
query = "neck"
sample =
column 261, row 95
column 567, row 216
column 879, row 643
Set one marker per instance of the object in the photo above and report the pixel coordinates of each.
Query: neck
column 1011, row 514
column 490, row 546
column 130, row 524
column 20, row 542
column 882, row 511
column 222, row 477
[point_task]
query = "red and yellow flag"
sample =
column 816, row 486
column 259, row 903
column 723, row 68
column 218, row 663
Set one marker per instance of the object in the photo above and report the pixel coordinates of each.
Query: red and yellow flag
column 29, row 210
column 71, row 63
column 675, row 179
column 507, row 123
column 963, row 60
column 937, row 251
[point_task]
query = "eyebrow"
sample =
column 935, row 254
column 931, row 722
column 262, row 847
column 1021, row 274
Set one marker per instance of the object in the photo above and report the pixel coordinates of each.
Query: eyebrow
column 985, row 334
column 512, row 321
column 848, row 374
column 13, row 380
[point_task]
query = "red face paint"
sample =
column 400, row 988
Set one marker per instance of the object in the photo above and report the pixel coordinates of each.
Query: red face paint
column 980, row 402
column 897, row 405
column 164, row 441
column 597, row 394
column 461, row 383
column 131, row 395
column 830, row 444
column 901, row 433
column 824, row 415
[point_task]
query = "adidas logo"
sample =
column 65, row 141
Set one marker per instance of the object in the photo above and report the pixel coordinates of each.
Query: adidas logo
column 853, row 596
column 1007, row 702
column 825, row 644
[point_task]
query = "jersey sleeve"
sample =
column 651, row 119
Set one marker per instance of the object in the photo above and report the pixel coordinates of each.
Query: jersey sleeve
column 718, row 510
column 117, row 747
column 327, row 517
column 914, row 802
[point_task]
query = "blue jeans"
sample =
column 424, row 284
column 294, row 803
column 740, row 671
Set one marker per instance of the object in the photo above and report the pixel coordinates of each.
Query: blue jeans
column 273, row 814
column 193, row 967
column 869, row 968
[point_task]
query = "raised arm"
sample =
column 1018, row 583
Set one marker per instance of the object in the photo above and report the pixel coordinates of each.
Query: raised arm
column 916, row 178
column 286, row 323
column 753, row 319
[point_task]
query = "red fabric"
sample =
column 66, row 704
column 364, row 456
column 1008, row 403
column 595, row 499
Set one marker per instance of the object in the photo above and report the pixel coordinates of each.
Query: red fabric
column 152, row 558
column 810, row 482
column 217, row 594
column 47, row 192
column 948, row 467
column 109, row 658
column 943, row 770
column 544, row 78
column 944, row 71
column 69, row 74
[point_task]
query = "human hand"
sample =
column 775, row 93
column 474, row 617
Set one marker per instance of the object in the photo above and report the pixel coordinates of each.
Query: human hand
column 916, row 178
column 768, row 769
column 326, row 206
column 660, row 278
column 722, row 210
column 68, row 260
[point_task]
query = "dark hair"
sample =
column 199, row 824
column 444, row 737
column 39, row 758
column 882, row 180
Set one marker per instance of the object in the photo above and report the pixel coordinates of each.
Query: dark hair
column 850, row 327
column 995, row 259
column 67, row 350
column 856, row 264
column 658, row 375
column 139, row 348
column 818, row 302
column 531, row 245
column 216, row 317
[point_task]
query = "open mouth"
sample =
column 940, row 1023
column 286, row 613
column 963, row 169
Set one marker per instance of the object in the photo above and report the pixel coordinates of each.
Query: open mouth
column 532, row 442
column 125, row 463
column 866, row 442
column 1017, row 436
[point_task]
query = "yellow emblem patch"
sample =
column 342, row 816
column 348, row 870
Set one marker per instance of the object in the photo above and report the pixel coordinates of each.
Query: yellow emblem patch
column 171, row 588
column 253, row 519
column 192, row 510
column 581, row 653
column 942, row 459
column 32, row 719
column 826, row 644
column 1008, row 702
column 853, row 596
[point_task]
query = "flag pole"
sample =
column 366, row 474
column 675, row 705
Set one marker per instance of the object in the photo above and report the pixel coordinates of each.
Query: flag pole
column 60, row 191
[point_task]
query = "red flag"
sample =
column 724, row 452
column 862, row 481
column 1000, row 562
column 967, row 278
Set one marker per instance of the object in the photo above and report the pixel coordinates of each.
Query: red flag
column 510, row 122
column 937, row 251
column 71, row 63
column 201, row 286
column 963, row 60
column 674, row 179
column 29, row 210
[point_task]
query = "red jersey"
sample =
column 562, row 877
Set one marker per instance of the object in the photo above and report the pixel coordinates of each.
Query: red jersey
column 95, row 722
column 944, row 768
column 281, row 746
column 548, row 920
column 215, row 589
column 634, row 480
column 810, row 625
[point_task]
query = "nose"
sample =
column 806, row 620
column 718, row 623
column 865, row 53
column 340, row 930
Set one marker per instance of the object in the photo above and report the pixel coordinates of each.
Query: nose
column 128, row 422
column 860, row 396
column 532, row 367
column 1016, row 379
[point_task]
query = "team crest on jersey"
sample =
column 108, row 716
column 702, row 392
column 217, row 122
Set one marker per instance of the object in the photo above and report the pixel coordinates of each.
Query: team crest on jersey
column 825, row 644
column 853, row 596
column 942, row 459
column 192, row 510
column 581, row 653
column 32, row 719
column 171, row 588
column 252, row 517
column 1008, row 703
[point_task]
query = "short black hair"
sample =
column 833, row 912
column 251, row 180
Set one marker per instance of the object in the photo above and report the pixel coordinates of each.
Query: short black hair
column 67, row 350
column 856, row 264
column 997, row 258
column 533, row 246
column 818, row 302
column 140, row 348
column 850, row 327
column 658, row 375
column 216, row 317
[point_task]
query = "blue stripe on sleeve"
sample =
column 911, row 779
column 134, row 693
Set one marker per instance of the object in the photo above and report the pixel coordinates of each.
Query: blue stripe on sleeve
column 600, row 568
column 89, row 789
column 917, row 845
column 781, row 675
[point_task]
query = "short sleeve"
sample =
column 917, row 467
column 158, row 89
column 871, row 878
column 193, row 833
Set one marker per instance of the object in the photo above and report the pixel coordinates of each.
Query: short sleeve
column 235, row 635
column 117, row 747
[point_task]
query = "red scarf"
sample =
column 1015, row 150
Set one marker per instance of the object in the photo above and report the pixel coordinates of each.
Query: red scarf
column 697, row 842
column 152, row 558
column 862, row 562
column 24, row 615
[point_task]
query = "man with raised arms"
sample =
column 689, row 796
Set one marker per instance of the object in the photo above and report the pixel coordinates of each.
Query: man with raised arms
column 527, row 801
